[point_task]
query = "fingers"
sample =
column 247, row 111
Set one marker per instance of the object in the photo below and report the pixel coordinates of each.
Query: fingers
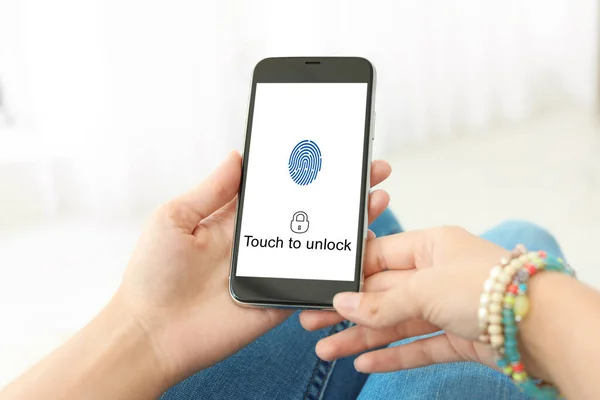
column 378, row 309
column 386, row 280
column 399, row 251
column 226, row 219
column 378, row 199
column 223, row 184
column 315, row 320
column 378, row 202
column 420, row 353
column 357, row 339
column 212, row 194
column 380, row 171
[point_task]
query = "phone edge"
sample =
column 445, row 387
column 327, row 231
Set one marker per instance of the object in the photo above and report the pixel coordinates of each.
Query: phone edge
column 365, row 199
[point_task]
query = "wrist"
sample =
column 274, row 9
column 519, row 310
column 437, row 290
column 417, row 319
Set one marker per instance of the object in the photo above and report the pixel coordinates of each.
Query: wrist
column 536, row 345
column 111, row 358
column 118, row 344
column 158, row 327
column 525, row 348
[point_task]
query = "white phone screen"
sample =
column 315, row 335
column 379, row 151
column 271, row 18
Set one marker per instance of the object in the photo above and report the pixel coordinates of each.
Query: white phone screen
column 301, row 208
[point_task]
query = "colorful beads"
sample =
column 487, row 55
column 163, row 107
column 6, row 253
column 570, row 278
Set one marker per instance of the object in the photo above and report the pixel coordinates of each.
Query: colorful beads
column 496, row 340
column 492, row 298
column 487, row 286
column 494, row 272
column 516, row 263
column 495, row 308
column 521, row 306
column 538, row 263
column 504, row 278
column 509, row 300
column 513, row 356
column 510, row 330
column 519, row 376
column 518, row 367
column 510, row 342
column 528, row 386
column 495, row 329
column 496, row 297
column 522, row 275
column 483, row 313
column 508, row 313
column 484, row 299
column 515, row 302
column 498, row 287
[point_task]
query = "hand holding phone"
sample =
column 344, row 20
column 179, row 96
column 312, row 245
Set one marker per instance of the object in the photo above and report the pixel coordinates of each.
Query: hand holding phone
column 302, row 211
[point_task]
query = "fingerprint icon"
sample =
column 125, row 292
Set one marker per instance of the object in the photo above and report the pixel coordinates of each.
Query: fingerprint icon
column 305, row 162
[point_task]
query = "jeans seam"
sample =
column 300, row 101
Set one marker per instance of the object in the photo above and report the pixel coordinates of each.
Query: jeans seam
column 326, row 382
column 318, row 381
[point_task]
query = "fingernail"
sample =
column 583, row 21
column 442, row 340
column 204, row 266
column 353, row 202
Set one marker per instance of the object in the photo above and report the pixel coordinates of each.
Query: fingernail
column 357, row 366
column 231, row 155
column 347, row 301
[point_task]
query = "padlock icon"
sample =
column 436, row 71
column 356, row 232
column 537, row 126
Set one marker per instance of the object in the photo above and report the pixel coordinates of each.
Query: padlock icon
column 299, row 222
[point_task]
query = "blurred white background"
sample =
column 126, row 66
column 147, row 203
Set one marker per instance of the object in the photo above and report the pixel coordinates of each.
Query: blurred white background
column 487, row 111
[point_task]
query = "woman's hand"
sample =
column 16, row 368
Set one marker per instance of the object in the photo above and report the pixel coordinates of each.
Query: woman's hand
column 173, row 314
column 176, row 284
column 418, row 283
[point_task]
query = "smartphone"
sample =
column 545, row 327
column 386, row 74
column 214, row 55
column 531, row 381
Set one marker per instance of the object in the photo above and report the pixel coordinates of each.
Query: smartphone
column 301, row 223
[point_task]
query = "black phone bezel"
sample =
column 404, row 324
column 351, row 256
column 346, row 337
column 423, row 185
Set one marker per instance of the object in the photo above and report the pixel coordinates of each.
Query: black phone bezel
column 304, row 293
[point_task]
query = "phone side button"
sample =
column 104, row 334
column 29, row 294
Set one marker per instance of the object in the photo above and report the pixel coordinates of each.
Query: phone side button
column 373, row 118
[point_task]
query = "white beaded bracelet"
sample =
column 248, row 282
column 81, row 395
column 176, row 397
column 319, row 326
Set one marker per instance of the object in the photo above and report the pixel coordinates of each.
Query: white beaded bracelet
column 490, row 302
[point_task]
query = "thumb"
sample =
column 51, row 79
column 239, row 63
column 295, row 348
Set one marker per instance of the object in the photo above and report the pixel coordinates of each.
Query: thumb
column 377, row 309
column 215, row 192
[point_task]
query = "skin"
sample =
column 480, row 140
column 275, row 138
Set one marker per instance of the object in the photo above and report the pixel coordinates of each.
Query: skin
column 172, row 315
column 424, row 281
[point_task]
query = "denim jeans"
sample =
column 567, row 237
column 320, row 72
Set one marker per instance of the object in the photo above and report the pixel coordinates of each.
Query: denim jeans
column 282, row 364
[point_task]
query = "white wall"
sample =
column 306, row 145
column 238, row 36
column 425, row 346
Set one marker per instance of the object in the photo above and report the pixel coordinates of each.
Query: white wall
column 131, row 101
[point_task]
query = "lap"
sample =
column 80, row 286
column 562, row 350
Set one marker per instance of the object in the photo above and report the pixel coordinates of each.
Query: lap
column 280, row 364
column 532, row 236
column 464, row 379
column 455, row 381
column 283, row 363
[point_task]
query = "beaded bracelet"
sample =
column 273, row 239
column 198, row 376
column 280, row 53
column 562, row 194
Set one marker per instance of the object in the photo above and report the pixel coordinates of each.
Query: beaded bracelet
column 490, row 302
column 516, row 307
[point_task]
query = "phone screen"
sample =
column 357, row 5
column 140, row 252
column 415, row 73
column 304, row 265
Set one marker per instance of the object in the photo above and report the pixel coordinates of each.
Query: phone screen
column 302, row 197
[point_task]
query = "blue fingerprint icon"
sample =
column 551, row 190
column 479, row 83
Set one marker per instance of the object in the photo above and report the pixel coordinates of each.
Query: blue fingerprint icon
column 305, row 162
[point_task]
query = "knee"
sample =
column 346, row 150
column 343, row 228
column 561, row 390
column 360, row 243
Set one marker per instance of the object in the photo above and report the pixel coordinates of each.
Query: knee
column 526, row 228
column 386, row 224
column 533, row 236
